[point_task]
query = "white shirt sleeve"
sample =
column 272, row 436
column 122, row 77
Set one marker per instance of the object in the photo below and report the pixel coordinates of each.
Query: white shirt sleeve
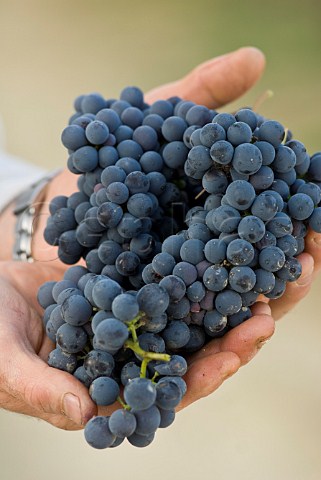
column 15, row 176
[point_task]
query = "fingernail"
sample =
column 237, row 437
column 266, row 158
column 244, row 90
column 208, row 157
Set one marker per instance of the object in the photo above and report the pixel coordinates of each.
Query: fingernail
column 303, row 281
column 71, row 408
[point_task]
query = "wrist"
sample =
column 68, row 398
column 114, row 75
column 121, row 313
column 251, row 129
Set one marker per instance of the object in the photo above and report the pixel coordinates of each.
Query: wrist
column 63, row 183
column 7, row 224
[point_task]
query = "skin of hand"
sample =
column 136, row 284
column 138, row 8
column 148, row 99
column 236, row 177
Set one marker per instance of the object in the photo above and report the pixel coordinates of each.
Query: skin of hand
column 29, row 386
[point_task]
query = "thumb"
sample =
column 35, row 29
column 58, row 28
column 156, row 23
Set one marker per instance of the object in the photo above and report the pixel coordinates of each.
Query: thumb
column 48, row 391
column 217, row 81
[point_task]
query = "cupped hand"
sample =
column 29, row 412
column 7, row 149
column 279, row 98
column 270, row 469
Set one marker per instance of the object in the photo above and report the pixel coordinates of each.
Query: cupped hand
column 27, row 384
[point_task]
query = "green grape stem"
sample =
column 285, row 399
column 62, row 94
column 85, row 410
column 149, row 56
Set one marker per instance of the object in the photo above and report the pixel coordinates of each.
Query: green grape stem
column 122, row 403
column 134, row 346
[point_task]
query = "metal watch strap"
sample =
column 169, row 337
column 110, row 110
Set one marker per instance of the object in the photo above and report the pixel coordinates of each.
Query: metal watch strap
column 25, row 209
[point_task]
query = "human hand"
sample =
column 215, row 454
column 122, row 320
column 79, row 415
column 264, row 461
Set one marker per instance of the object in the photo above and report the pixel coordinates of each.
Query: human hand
column 27, row 384
column 221, row 358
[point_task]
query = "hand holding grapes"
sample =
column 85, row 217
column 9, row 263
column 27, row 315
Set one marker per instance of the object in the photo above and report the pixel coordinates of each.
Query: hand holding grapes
column 221, row 357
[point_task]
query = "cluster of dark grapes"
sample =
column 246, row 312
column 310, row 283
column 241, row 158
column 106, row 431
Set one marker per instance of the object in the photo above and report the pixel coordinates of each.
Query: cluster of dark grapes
column 184, row 216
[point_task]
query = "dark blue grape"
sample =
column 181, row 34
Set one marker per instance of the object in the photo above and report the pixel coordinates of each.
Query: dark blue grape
column 73, row 137
column 186, row 272
column 167, row 417
column 104, row 292
column 271, row 259
column 225, row 219
column 141, row 441
column 176, row 334
column 153, row 299
column 263, row 178
column 300, row 206
column 278, row 289
column 98, row 434
column 140, row 393
column 215, row 251
column 81, row 375
column 247, row 115
column 62, row 360
column 214, row 323
column 285, row 159
column 71, row 339
column 110, row 334
column 251, row 229
column 222, row 152
column 288, row 244
column 247, row 159
column 125, row 307
column 199, row 158
column 168, row 395
column 211, row 133
column 122, row 423
column 240, row 194
column 151, row 162
column 315, row 220
column 228, row 302
column 175, row 154
column 85, row 159
column 179, row 310
column 242, row 279
column 177, row 366
column 57, row 288
column 198, row 115
column 45, row 294
column 215, row 278
column 214, row 181
column 98, row 363
column 264, row 206
column 239, row 317
column 127, row 263
column 76, row 310
column 192, row 251
column 133, row 95
column 267, row 151
column 104, row 391
column 280, row 225
column 238, row 133
column 265, row 281
column 290, row 271
column 196, row 292
column 272, row 132
column 132, row 116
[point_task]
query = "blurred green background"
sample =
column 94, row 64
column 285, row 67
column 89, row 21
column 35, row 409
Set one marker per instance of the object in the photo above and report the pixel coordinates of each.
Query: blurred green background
column 265, row 423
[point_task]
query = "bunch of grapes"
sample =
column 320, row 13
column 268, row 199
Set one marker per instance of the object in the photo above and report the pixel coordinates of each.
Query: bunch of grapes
column 183, row 216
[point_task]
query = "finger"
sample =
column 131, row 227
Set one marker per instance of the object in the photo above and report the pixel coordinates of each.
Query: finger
column 313, row 247
column 261, row 308
column 48, row 391
column 217, row 81
column 207, row 374
column 295, row 291
column 245, row 340
column 249, row 337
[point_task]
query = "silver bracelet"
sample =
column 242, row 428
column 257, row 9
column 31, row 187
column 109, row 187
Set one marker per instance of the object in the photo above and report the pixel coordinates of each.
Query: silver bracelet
column 25, row 210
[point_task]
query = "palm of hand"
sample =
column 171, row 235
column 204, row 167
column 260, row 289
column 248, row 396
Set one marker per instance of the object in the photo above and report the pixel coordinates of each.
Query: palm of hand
column 28, row 385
